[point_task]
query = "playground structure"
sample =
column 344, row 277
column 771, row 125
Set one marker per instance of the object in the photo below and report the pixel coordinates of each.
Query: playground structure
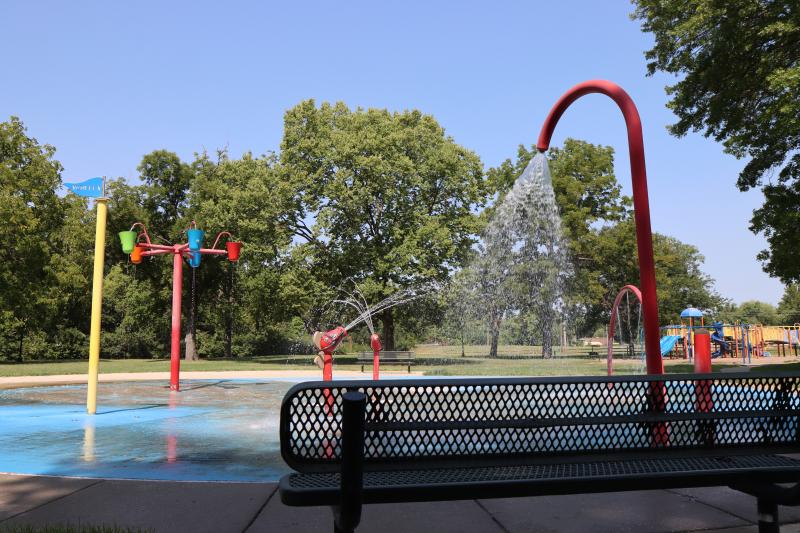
column 732, row 340
column 688, row 323
column 138, row 245
column 740, row 340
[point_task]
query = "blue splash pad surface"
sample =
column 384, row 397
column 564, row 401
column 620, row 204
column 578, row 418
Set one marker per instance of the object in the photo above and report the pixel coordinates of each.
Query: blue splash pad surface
column 215, row 430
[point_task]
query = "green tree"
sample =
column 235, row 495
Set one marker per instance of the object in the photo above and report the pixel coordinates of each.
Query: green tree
column 751, row 312
column 391, row 196
column 789, row 306
column 249, row 198
column 67, row 294
column 167, row 181
column 31, row 215
column 740, row 84
column 134, row 322
column 679, row 276
column 584, row 183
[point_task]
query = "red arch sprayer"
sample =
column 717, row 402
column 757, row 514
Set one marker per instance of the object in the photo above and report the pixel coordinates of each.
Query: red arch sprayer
column 641, row 207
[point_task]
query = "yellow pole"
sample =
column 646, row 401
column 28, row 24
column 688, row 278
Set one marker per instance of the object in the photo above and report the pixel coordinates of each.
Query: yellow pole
column 97, row 304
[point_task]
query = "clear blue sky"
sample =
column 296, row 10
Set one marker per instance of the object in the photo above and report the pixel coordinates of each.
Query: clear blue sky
column 106, row 82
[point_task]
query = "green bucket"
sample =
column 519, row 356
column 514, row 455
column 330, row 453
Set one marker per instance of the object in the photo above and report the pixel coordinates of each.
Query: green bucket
column 128, row 240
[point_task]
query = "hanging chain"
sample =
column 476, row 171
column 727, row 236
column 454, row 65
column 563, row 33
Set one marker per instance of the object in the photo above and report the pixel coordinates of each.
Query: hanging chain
column 194, row 307
column 229, row 312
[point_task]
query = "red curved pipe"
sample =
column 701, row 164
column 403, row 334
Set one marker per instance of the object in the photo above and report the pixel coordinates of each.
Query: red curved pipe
column 610, row 338
column 641, row 206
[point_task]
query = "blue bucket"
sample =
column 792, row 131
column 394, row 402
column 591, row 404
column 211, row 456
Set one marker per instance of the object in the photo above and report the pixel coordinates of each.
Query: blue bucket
column 196, row 239
column 194, row 259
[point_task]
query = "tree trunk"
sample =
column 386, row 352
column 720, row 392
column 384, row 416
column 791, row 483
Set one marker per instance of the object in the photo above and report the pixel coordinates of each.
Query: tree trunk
column 547, row 334
column 21, row 338
column 388, row 330
column 495, row 335
column 462, row 342
column 191, row 348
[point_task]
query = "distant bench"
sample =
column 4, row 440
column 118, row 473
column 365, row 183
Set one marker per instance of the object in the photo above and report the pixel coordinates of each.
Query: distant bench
column 413, row 440
column 388, row 358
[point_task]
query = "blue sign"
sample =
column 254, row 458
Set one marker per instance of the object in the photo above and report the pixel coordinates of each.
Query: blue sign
column 92, row 188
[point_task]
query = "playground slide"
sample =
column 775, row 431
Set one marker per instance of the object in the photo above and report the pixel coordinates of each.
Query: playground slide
column 668, row 343
column 723, row 344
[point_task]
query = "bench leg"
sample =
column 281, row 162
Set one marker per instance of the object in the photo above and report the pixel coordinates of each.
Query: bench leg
column 767, row 516
column 337, row 529
column 347, row 515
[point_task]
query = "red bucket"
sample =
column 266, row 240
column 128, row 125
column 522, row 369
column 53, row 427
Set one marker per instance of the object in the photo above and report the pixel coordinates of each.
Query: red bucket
column 234, row 249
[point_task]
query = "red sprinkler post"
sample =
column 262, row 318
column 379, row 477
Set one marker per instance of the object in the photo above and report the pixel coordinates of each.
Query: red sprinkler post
column 375, row 343
column 644, row 239
column 328, row 343
column 702, row 388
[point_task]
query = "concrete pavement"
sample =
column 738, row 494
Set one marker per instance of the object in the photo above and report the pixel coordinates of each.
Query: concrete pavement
column 170, row 506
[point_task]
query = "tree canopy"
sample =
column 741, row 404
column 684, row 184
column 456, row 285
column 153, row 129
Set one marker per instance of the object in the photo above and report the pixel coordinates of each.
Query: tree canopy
column 789, row 306
column 739, row 83
column 391, row 195
column 750, row 312
column 385, row 199
column 33, row 218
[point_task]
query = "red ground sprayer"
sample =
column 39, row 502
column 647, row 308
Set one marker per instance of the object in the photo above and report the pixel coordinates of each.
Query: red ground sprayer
column 375, row 343
column 327, row 343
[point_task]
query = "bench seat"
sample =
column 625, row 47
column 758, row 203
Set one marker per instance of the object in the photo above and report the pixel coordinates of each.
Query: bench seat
column 542, row 479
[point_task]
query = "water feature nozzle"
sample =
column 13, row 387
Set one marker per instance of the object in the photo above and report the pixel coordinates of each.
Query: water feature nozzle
column 375, row 342
column 330, row 340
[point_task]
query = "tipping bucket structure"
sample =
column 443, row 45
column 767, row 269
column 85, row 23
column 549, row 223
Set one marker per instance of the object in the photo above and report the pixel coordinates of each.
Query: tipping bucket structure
column 234, row 249
column 192, row 252
column 128, row 240
column 196, row 239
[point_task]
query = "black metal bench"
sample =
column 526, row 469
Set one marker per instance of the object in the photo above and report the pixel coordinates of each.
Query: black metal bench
column 363, row 442
column 388, row 358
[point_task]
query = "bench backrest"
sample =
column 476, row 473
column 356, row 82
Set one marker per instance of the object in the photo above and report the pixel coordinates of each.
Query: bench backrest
column 427, row 423
column 388, row 356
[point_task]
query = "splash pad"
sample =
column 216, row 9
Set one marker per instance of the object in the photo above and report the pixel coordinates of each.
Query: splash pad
column 214, row 430
column 180, row 438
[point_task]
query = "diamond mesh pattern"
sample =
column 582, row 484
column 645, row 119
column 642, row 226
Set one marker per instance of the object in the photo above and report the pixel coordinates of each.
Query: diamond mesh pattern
column 500, row 418
column 548, row 472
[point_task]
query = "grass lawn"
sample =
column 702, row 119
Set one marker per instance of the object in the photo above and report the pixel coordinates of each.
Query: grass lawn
column 431, row 360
